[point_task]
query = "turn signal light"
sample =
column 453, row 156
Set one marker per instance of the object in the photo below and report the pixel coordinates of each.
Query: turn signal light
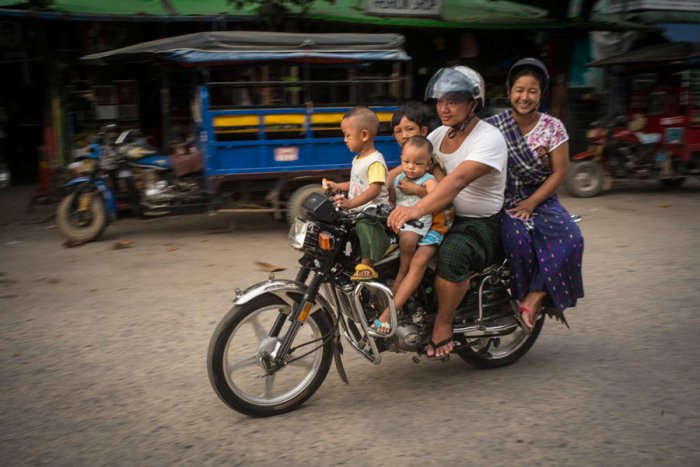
column 325, row 241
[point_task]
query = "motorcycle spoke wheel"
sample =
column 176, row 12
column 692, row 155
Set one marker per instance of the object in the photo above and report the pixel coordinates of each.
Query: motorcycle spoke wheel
column 82, row 220
column 495, row 352
column 239, row 349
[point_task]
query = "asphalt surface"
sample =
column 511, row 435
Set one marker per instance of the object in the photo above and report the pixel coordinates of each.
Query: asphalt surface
column 103, row 354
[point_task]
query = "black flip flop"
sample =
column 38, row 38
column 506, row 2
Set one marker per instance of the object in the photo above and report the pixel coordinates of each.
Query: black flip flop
column 435, row 347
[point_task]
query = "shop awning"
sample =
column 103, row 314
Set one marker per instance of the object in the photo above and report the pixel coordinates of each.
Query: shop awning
column 242, row 46
column 673, row 53
column 456, row 14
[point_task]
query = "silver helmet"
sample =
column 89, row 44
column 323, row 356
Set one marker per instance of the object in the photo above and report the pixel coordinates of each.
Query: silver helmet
column 458, row 80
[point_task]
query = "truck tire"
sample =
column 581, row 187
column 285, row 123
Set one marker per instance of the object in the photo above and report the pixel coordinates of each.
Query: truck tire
column 295, row 201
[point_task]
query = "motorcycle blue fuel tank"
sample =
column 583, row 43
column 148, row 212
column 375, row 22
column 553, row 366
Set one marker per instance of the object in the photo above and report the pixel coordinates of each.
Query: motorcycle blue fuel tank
column 155, row 161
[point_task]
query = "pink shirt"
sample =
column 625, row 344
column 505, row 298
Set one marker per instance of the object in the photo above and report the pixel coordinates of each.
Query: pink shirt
column 548, row 134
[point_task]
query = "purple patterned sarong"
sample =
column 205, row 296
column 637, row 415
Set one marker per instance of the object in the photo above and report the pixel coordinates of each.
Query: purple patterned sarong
column 544, row 253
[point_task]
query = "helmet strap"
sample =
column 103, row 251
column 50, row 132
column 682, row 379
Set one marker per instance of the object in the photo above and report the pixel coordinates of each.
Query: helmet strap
column 462, row 126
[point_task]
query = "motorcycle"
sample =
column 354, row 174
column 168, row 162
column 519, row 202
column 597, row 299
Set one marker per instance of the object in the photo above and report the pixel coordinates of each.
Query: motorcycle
column 615, row 151
column 120, row 172
column 273, row 349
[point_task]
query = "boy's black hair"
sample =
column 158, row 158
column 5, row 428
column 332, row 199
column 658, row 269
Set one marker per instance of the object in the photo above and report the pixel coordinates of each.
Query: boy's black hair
column 414, row 111
column 366, row 117
column 420, row 142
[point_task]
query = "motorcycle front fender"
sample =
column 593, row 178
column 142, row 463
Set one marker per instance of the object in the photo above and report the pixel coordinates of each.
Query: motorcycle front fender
column 282, row 288
column 106, row 191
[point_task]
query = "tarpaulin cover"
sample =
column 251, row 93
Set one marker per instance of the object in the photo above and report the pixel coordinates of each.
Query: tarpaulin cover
column 233, row 46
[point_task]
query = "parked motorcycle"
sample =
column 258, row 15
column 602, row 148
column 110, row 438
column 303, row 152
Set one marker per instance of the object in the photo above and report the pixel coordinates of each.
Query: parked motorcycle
column 120, row 172
column 614, row 152
column 273, row 349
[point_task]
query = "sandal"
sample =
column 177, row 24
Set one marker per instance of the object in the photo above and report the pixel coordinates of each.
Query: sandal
column 531, row 319
column 435, row 346
column 364, row 272
column 381, row 328
column 521, row 319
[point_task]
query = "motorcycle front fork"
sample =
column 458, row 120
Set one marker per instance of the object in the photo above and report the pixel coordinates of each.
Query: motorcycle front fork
column 298, row 316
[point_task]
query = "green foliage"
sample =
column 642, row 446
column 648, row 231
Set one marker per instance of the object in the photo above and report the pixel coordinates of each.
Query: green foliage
column 279, row 14
column 40, row 4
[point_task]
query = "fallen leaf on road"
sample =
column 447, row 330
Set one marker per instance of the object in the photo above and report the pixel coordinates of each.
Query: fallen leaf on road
column 268, row 267
column 122, row 244
column 71, row 243
column 664, row 205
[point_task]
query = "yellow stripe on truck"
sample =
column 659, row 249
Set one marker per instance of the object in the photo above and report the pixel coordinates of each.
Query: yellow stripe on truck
column 228, row 121
column 285, row 119
column 235, row 120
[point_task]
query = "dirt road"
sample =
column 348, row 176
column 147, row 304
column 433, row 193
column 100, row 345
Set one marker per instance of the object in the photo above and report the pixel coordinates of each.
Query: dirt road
column 103, row 351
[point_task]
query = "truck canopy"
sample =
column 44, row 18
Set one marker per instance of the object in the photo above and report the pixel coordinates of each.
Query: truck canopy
column 246, row 46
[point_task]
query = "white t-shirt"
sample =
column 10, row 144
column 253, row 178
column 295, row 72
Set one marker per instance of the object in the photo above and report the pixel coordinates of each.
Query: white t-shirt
column 360, row 179
column 485, row 144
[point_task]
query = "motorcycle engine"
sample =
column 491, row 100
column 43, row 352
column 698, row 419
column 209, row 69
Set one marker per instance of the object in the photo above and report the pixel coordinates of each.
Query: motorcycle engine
column 412, row 331
column 159, row 192
column 408, row 337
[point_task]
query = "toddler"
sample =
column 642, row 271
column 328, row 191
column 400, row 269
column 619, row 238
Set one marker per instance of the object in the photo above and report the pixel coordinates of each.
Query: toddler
column 367, row 185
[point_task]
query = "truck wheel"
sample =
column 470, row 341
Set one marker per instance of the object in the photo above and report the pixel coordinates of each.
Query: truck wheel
column 585, row 179
column 295, row 201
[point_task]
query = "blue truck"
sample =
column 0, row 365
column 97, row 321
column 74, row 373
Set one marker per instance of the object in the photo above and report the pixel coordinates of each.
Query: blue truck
column 265, row 119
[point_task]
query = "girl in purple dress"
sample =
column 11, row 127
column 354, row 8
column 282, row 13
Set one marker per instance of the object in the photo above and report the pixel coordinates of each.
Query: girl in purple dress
column 543, row 245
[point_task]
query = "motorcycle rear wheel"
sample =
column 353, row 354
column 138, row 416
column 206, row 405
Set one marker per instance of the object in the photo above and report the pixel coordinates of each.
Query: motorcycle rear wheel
column 239, row 343
column 82, row 226
column 502, row 351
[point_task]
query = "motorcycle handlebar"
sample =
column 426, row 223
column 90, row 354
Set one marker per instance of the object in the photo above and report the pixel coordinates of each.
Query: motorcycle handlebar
column 376, row 212
column 379, row 213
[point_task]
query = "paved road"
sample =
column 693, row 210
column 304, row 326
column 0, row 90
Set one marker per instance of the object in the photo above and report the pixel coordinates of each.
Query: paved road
column 102, row 354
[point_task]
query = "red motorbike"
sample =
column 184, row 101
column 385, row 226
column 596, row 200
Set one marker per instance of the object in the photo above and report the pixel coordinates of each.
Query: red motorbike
column 622, row 150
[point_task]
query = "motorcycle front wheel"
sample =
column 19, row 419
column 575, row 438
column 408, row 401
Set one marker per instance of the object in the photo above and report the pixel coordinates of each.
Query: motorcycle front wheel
column 82, row 219
column 585, row 179
column 239, row 347
column 490, row 352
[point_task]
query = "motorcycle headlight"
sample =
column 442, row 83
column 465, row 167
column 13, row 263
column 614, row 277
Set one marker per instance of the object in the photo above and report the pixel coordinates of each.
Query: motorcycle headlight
column 297, row 233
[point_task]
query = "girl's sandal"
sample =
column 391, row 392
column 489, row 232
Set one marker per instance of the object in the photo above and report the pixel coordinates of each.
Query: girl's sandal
column 380, row 328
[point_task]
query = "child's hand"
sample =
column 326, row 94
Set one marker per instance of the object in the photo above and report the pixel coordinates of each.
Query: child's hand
column 411, row 188
column 342, row 202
